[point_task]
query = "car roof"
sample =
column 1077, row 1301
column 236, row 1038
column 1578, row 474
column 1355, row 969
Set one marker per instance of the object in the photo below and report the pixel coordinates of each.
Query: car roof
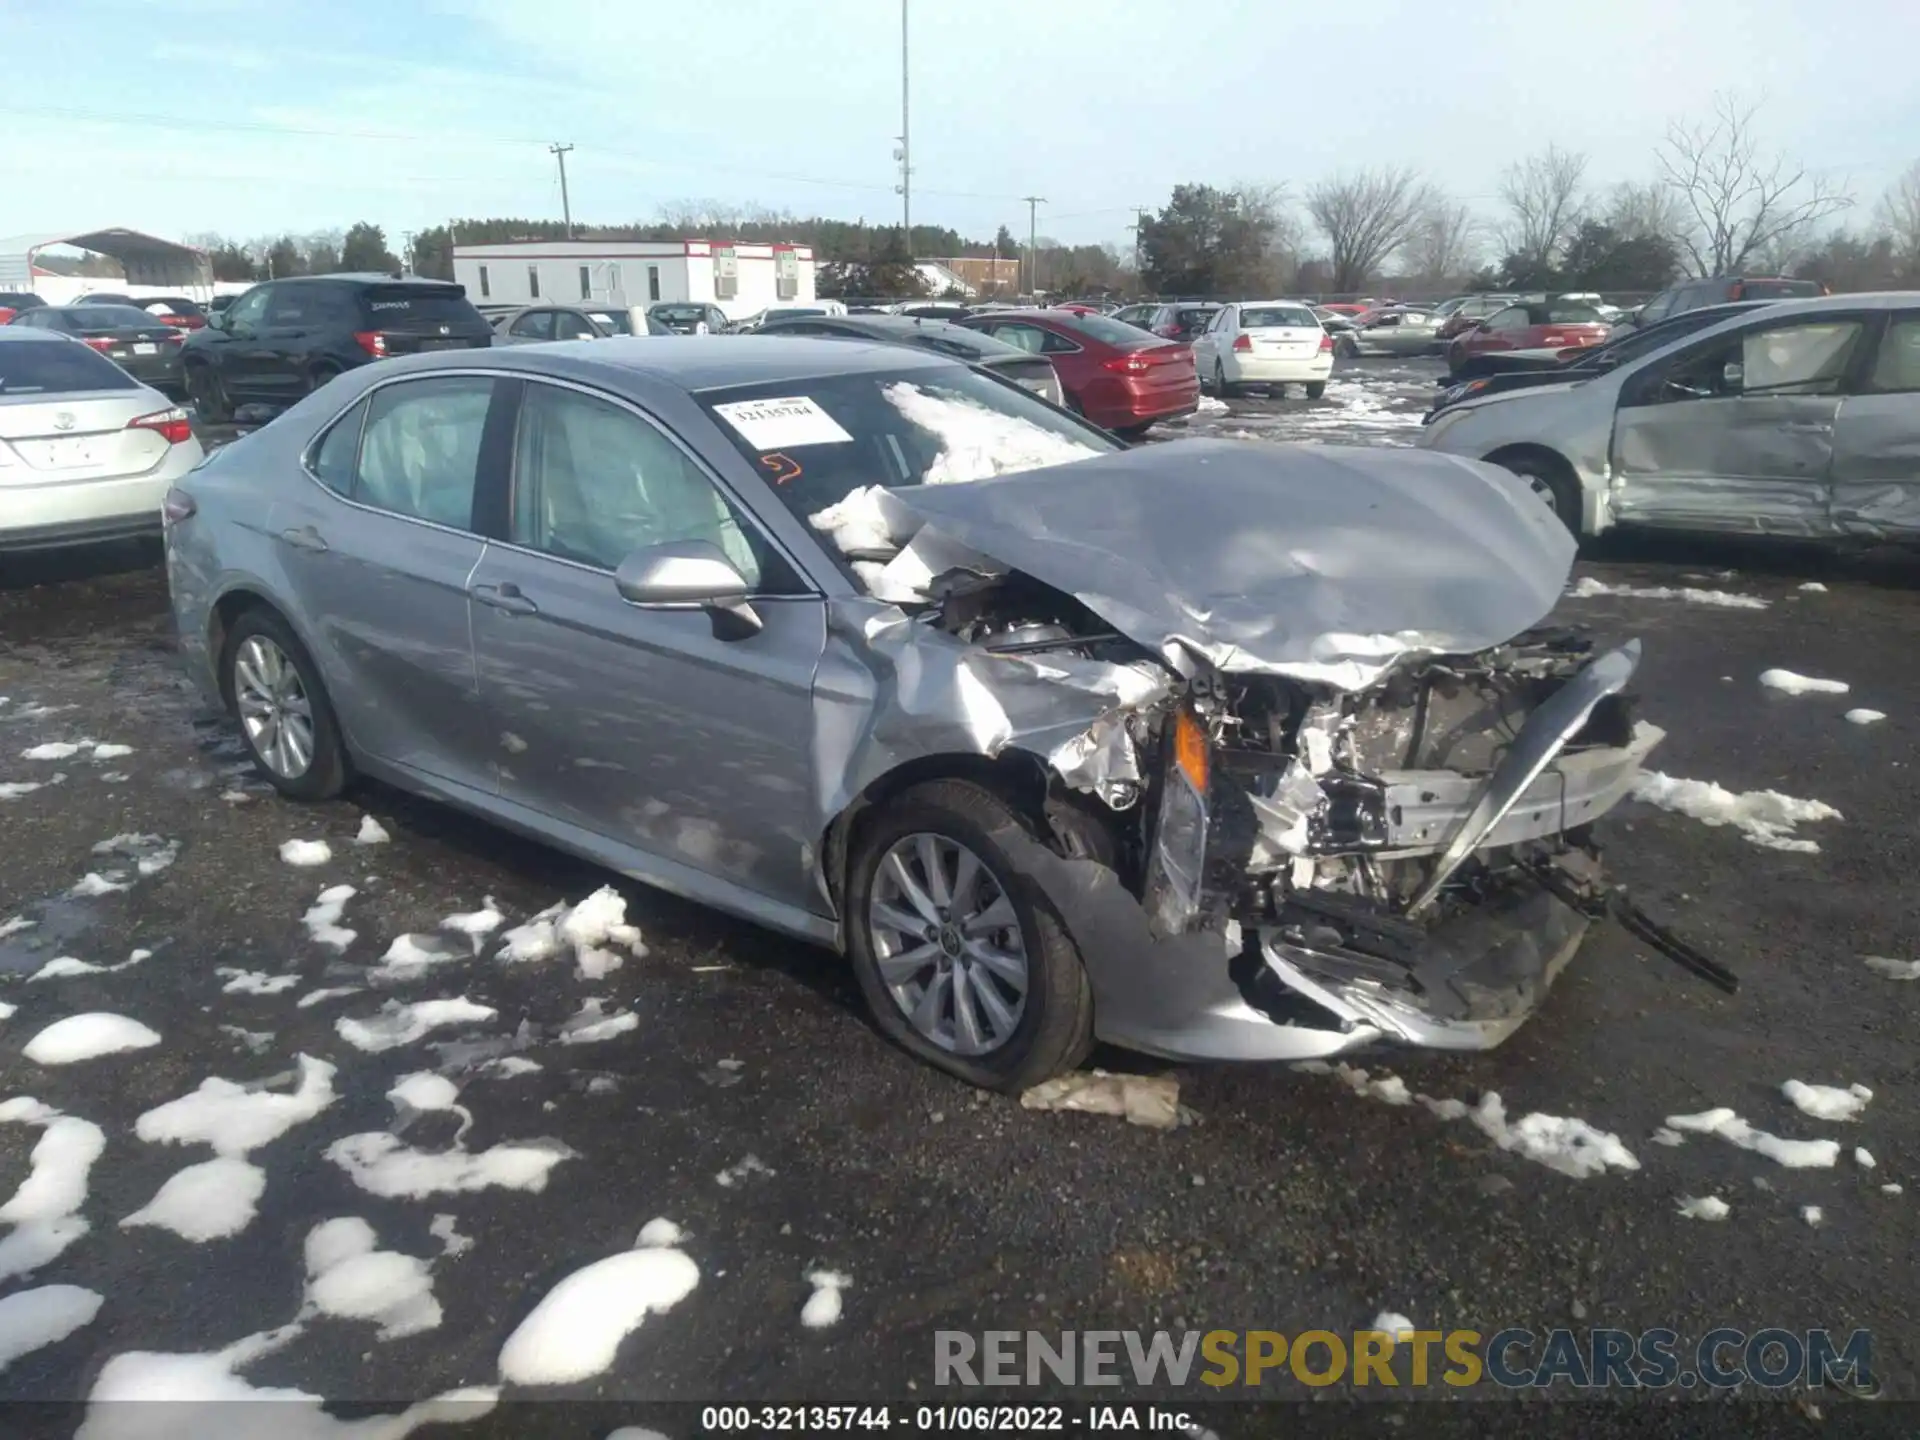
column 15, row 334
column 1864, row 300
column 372, row 277
column 692, row 362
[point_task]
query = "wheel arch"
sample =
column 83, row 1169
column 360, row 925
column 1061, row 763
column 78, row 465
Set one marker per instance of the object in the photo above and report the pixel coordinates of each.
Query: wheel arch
column 1557, row 464
column 234, row 601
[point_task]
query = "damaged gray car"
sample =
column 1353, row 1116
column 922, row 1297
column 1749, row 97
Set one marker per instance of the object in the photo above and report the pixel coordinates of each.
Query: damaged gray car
column 1215, row 750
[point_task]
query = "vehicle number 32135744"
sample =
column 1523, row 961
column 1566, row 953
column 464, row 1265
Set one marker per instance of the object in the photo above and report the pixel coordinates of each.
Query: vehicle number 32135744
column 912, row 1419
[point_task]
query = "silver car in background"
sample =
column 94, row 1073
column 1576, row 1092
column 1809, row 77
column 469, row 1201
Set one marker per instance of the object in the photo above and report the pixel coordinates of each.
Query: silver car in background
column 1798, row 419
column 536, row 324
column 1054, row 739
column 1397, row 330
column 86, row 451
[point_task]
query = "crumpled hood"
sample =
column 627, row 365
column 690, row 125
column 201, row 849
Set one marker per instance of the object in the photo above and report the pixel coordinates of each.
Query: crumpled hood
column 1324, row 563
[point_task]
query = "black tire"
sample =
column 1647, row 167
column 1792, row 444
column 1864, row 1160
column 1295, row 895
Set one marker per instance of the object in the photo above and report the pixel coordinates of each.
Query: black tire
column 320, row 375
column 1346, row 349
column 1551, row 481
column 326, row 773
column 208, row 394
column 1316, row 389
column 1132, row 432
column 1054, row 1031
column 1220, row 385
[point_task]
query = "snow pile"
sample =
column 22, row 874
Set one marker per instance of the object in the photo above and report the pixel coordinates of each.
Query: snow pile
column 863, row 519
column 1392, row 1323
column 1814, row 587
column 1210, row 406
column 1827, row 1102
column 590, row 930
column 93, row 884
column 67, row 749
column 85, row 1037
column 306, row 853
column 424, row 1092
column 34, row 1319
column 381, row 1165
column 65, row 967
column 574, row 1333
column 410, row 957
column 1792, row 684
column 1586, row 588
column 1893, row 969
column 323, row 918
column 1863, row 1157
column 1794, row 1154
column 236, row 1119
column 398, row 1024
column 330, row 992
column 351, row 1278
column 1704, row 1207
column 823, row 1305
column 150, row 853
column 15, row 925
column 1811, row 1214
column 590, row 1026
column 1864, row 716
column 476, row 925
column 253, row 982
column 18, row 789
column 372, row 832
column 977, row 443
column 45, row 1209
column 213, row 1200
column 452, row 1243
column 734, row 1174
column 1766, row 817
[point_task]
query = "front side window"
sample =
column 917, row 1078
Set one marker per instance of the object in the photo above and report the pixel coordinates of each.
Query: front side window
column 593, row 483
column 421, row 448
column 248, row 309
column 535, row 326
column 1896, row 369
column 1799, row 359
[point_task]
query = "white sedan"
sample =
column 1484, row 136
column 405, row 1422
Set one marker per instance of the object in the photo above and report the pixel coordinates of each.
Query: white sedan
column 1264, row 342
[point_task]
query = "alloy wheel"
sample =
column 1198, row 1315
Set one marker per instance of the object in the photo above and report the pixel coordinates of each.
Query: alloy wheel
column 274, row 709
column 948, row 944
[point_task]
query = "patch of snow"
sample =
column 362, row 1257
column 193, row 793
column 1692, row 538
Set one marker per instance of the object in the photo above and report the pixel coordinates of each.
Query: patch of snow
column 575, row 1331
column 1794, row 1154
column 150, row 853
column 423, row 1092
column 19, row 789
column 381, row 1165
column 1149, row 1100
column 452, row 1243
column 253, row 982
column 589, row 1026
column 410, row 957
column 255, row 1040
column 590, row 929
column 1765, row 817
column 62, row 1159
column 1811, row 1214
column 476, row 925
column 7, row 1012
column 734, row 1174
column 235, row 1119
column 331, row 992
column 213, row 1200
column 94, row 884
column 1827, row 1102
column 35, row 1243
column 1210, row 406
column 1863, row 1158
column 823, row 1305
column 110, row 752
column 1892, row 969
column 1892, row 1188
column 235, row 797
column 659, row 1231
column 15, row 925
column 371, row 832
column 508, row 1066
column 1863, row 716
column 1792, row 684
column 398, row 1024
column 323, row 918
column 1664, row 1136
column 1705, row 1207
column 33, row 1319
column 977, row 443
column 56, row 750
column 1814, row 587
column 306, row 853
column 86, row 1037
column 66, row 966
column 350, row 1278
column 1586, row 588
column 1391, row 1322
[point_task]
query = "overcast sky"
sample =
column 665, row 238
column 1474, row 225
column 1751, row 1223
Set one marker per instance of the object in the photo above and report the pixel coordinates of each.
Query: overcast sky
column 243, row 117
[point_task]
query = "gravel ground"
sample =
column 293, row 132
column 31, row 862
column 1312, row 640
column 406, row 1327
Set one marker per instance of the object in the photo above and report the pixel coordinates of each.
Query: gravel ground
column 1293, row 1203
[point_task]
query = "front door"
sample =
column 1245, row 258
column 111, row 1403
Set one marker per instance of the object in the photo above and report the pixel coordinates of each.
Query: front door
column 1735, row 434
column 1876, row 441
column 239, row 352
column 378, row 555
column 644, row 725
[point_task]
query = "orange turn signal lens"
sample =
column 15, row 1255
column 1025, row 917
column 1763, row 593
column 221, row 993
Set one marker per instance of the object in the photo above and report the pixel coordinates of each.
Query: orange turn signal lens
column 1190, row 749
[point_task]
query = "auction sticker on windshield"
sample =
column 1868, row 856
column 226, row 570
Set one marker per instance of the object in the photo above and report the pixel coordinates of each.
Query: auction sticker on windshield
column 779, row 423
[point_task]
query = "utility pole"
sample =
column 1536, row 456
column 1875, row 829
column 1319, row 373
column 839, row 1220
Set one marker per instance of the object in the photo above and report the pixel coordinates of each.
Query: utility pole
column 559, row 152
column 406, row 252
column 1033, row 255
column 905, row 153
column 1139, row 228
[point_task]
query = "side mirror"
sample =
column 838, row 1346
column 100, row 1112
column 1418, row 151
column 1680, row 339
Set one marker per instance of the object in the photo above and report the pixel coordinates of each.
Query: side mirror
column 217, row 320
column 689, row 574
column 1733, row 375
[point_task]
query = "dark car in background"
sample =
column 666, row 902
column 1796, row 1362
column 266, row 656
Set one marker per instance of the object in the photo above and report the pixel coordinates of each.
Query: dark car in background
column 1720, row 290
column 956, row 342
column 686, row 317
column 286, row 338
column 1114, row 374
column 12, row 302
column 936, row 310
column 176, row 310
column 1182, row 322
column 143, row 345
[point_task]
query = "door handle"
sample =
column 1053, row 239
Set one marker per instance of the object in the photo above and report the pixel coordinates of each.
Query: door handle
column 1807, row 427
column 305, row 537
column 505, row 597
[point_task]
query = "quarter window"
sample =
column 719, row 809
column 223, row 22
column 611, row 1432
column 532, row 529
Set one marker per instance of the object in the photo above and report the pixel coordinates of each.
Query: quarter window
column 421, row 448
column 593, row 483
column 1514, row 317
column 339, row 449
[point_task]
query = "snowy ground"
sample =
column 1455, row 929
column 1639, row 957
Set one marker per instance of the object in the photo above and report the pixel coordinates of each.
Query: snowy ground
column 1368, row 402
column 725, row 1081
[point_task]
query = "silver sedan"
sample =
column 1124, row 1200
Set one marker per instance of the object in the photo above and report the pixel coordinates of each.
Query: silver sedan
column 1397, row 331
column 1054, row 739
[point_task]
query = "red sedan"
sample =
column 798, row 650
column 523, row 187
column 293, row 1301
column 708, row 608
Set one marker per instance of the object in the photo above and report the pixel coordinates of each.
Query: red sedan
column 1114, row 374
column 1530, row 325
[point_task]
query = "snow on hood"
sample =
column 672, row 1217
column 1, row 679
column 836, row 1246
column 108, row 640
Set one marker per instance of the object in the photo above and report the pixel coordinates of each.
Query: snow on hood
column 1321, row 563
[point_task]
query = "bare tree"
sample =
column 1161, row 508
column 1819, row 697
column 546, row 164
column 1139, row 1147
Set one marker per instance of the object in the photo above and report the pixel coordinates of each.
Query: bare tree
column 1650, row 211
column 1898, row 215
column 1543, row 199
column 1366, row 216
column 1739, row 200
column 1445, row 242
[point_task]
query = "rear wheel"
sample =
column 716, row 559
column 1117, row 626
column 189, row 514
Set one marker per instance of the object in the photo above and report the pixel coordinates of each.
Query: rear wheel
column 961, row 959
column 1316, row 389
column 1132, row 432
column 1345, row 348
column 1550, row 479
column 320, row 375
column 208, row 394
column 277, row 696
column 1220, row 385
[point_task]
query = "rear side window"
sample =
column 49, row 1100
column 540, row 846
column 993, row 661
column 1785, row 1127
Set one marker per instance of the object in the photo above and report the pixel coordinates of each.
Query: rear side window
column 1896, row 369
column 403, row 307
column 57, row 367
column 334, row 458
column 1776, row 289
column 1277, row 316
column 1107, row 332
column 421, row 448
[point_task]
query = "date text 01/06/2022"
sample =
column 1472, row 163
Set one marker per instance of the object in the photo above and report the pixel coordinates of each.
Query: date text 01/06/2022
column 935, row 1419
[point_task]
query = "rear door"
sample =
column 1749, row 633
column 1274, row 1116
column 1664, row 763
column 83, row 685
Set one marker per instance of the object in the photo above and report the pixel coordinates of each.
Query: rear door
column 1281, row 332
column 284, row 342
column 378, row 549
column 650, row 727
column 235, row 350
column 416, row 317
column 1736, row 433
column 1876, row 440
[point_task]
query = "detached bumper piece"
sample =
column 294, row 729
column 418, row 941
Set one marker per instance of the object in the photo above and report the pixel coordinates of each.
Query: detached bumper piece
column 1615, row 905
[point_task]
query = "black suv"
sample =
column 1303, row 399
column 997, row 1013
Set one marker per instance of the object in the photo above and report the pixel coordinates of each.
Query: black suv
column 287, row 338
column 1719, row 290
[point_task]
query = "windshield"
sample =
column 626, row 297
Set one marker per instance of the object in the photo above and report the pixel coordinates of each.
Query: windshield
column 111, row 317
column 680, row 314
column 828, row 446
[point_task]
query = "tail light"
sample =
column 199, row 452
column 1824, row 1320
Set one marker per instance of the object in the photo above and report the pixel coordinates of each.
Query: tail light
column 6, row 314
column 1243, row 344
column 102, row 343
column 177, row 337
column 177, row 506
column 172, row 426
column 373, row 342
column 1166, row 332
column 1133, row 364
column 1326, row 343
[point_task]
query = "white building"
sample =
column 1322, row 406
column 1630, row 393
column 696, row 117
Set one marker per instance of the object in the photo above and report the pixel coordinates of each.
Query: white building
column 742, row 279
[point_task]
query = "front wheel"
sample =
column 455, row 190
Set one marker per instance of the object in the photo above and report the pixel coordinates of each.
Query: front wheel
column 276, row 694
column 962, row 960
column 1551, row 482
column 208, row 394
column 1220, row 385
column 1316, row 389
